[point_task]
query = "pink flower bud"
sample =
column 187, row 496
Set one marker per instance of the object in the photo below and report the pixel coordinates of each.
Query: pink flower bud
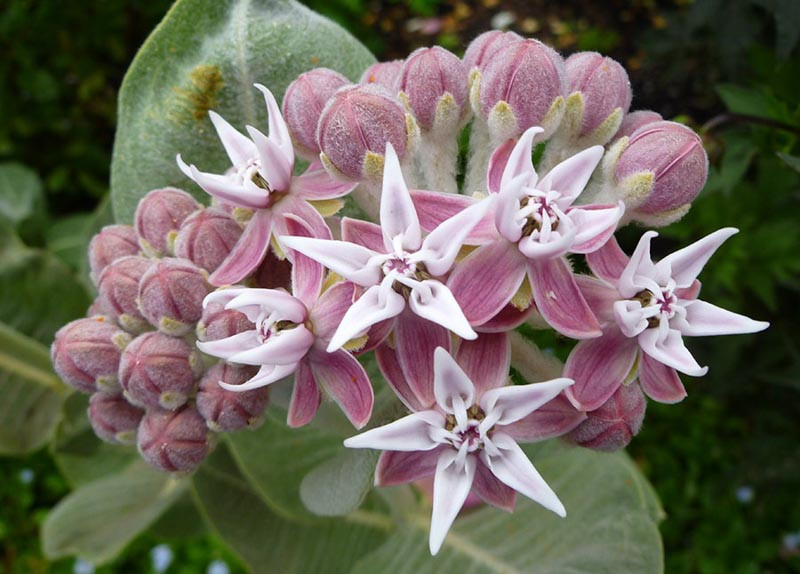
column 613, row 425
column 672, row 156
column 428, row 76
column 171, row 295
column 386, row 74
column 158, row 217
column 220, row 323
column 173, row 441
column 228, row 410
column 111, row 243
column 113, row 418
column 118, row 289
column 96, row 308
column 303, row 104
column 157, row 370
column 634, row 120
column 604, row 85
column 354, row 128
column 482, row 49
column 86, row 353
column 206, row 238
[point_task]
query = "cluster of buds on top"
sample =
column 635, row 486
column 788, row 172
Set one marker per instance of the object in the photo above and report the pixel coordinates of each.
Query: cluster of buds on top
column 268, row 285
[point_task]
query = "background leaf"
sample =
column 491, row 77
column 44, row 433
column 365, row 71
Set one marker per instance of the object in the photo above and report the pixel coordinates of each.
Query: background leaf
column 339, row 485
column 20, row 192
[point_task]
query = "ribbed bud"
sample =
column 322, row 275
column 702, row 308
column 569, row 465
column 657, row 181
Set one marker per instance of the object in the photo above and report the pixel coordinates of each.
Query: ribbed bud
column 481, row 50
column 158, row 217
column 634, row 120
column 111, row 243
column 157, row 370
column 604, row 88
column 206, row 238
column 173, row 441
column 118, row 289
column 86, row 353
column 613, row 425
column 171, row 295
column 220, row 323
column 303, row 104
column 227, row 410
column 113, row 418
column 354, row 128
column 386, row 74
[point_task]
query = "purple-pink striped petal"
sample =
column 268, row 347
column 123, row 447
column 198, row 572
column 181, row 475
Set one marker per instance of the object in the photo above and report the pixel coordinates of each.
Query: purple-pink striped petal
column 608, row 262
column 485, row 360
column 599, row 295
column 507, row 319
column 363, row 233
column 305, row 211
column 415, row 340
column 248, row 252
column 307, row 274
column 434, row 207
column 329, row 309
column 316, row 184
column 306, row 397
column 394, row 375
column 660, row 382
column 489, row 488
column 397, row 467
column 554, row 418
column 345, row 380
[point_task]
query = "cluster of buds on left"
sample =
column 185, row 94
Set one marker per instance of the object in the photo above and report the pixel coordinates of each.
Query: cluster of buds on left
column 202, row 309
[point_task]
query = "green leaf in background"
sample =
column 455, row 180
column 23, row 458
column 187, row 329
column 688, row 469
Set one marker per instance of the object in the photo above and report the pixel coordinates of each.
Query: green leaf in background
column 20, row 192
column 790, row 160
column 753, row 102
column 339, row 485
column 206, row 54
column 98, row 519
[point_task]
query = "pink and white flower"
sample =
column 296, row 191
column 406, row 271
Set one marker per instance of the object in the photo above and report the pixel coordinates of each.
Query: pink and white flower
column 467, row 435
column 261, row 180
column 647, row 308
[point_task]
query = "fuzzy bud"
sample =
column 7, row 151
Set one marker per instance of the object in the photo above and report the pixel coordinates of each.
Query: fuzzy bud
column 481, row 50
column 118, row 289
column 224, row 410
column 86, row 353
column 206, row 238
column 354, row 128
column 157, row 370
column 171, row 295
column 158, row 217
column 111, row 243
column 386, row 74
column 303, row 104
column 220, row 323
column 173, row 441
column 634, row 120
column 113, row 418
column 604, row 89
column 433, row 85
column 613, row 425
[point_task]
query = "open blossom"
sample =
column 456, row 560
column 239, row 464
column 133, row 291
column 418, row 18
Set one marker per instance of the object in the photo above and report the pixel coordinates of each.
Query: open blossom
column 647, row 308
column 466, row 435
column 290, row 335
column 537, row 225
column 261, row 180
column 396, row 265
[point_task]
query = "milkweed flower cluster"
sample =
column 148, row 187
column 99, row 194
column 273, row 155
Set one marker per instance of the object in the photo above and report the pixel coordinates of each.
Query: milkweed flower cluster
column 200, row 310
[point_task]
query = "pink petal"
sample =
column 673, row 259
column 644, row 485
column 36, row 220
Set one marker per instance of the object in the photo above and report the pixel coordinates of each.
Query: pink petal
column 434, row 207
column 305, row 211
column 284, row 348
column 486, row 361
column 507, row 319
column 439, row 305
column 329, row 310
column 403, row 467
column 226, row 348
column 640, row 271
column 513, row 468
column 391, row 370
column 559, row 300
column 703, row 319
column 596, row 224
column 225, row 188
column 659, row 382
column 450, row 381
column 554, row 418
column 240, row 150
column 520, row 160
column 274, row 167
column 349, row 260
column 497, row 165
column 570, row 177
column 487, row 279
column 266, row 375
column 410, row 433
column 598, row 367
column 278, row 131
column 306, row 397
column 668, row 348
column 248, row 252
column 415, row 341
column 316, row 184
column 487, row 486
column 375, row 305
column 398, row 216
column 685, row 265
column 513, row 402
column 451, row 485
column 599, row 295
column 608, row 262
column 345, row 380
column 307, row 274
column 376, row 335
column 363, row 233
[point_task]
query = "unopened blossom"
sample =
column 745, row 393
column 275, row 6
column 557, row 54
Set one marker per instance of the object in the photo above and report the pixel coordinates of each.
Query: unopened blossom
column 537, row 225
column 261, row 180
column 647, row 309
column 289, row 336
column 394, row 263
column 465, row 437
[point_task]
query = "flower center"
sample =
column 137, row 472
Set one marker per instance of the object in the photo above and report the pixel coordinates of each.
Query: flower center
column 468, row 434
column 267, row 328
column 662, row 304
column 402, row 265
column 539, row 212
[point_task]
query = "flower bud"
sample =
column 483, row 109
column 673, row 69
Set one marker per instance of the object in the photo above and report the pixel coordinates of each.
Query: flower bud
column 219, row 323
column 158, row 217
column 634, row 120
column 354, row 128
column 386, row 74
column 433, row 85
column 660, row 171
column 303, row 104
column 522, row 86
column 613, row 425
column 96, row 308
column 228, row 410
column 157, row 370
column 604, row 90
column 111, row 243
column 206, row 238
column 481, row 50
column 173, row 441
column 118, row 288
column 171, row 295
column 113, row 418
column 86, row 353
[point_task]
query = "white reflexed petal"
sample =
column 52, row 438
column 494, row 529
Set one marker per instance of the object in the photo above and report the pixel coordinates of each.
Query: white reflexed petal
column 240, row 150
column 511, row 403
column 570, row 177
column 349, row 260
column 704, row 319
column 222, row 296
column 591, row 224
column 520, row 162
column 507, row 207
column 282, row 348
column 230, row 346
column 378, row 303
column 274, row 167
column 451, row 485
column 666, row 346
column 225, row 188
column 450, row 381
column 253, row 301
column 512, row 467
column 640, row 271
column 631, row 317
column 398, row 214
column 685, row 264
column 266, row 375
column 410, row 433
column 278, row 130
column 558, row 243
column 434, row 301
